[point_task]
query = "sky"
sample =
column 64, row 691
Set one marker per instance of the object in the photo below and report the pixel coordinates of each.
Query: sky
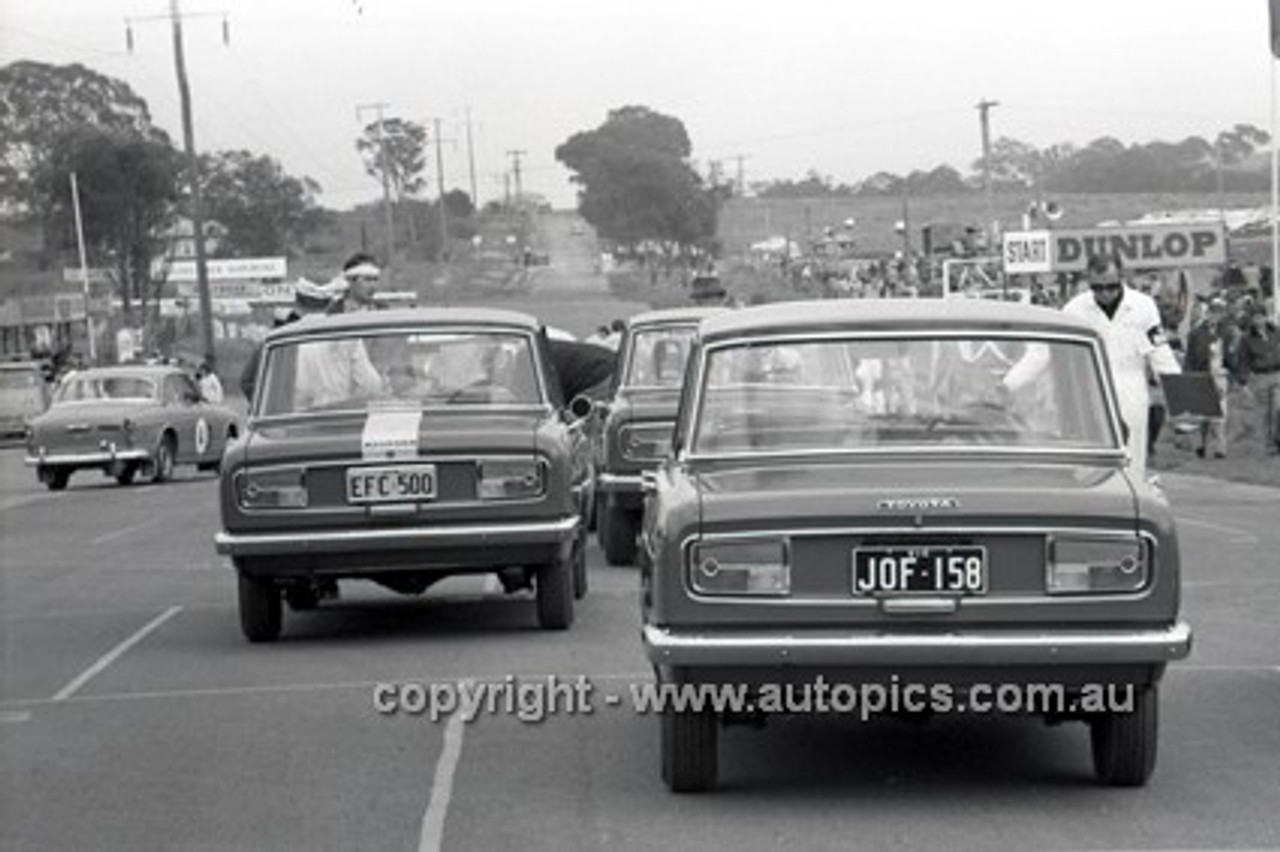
column 844, row 87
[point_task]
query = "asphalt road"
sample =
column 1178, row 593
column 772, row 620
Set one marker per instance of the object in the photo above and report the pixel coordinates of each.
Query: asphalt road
column 134, row 716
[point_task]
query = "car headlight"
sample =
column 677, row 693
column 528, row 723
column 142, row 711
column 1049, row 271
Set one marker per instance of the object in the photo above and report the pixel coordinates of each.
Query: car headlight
column 509, row 479
column 272, row 488
column 648, row 441
column 1084, row 566
column 740, row 568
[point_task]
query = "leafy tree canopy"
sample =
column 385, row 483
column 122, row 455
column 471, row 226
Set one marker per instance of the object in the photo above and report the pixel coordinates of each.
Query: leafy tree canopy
column 404, row 143
column 128, row 193
column 265, row 210
column 636, row 180
column 39, row 103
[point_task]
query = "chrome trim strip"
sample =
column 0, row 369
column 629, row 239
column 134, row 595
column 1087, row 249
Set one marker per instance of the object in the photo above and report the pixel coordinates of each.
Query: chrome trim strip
column 620, row 481
column 665, row 646
column 1042, row 598
column 101, row 457
column 480, row 535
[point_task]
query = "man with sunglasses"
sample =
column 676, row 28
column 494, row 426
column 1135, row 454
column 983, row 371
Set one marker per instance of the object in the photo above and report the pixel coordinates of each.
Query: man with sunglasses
column 1134, row 336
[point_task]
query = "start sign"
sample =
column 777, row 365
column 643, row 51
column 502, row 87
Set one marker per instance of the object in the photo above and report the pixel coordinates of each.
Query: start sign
column 1138, row 246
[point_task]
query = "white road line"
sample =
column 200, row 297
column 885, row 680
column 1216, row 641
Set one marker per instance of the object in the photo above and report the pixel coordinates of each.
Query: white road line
column 1236, row 531
column 114, row 654
column 115, row 534
column 10, row 716
column 432, row 836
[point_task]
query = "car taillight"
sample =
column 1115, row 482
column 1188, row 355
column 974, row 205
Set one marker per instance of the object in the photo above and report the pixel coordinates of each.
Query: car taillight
column 1096, row 566
column 509, row 479
column 740, row 568
column 646, row 442
column 272, row 488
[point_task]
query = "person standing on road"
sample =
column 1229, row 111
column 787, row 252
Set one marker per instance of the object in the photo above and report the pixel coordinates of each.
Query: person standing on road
column 1206, row 353
column 1135, row 340
column 1259, row 360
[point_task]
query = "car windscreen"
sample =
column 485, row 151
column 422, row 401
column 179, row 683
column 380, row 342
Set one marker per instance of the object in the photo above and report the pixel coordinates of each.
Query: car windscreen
column 658, row 355
column 80, row 388
column 417, row 367
column 934, row 391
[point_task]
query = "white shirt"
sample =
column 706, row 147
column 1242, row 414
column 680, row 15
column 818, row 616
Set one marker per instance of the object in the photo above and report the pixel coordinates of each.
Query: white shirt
column 1134, row 337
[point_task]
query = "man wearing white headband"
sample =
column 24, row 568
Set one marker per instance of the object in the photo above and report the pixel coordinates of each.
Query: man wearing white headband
column 361, row 275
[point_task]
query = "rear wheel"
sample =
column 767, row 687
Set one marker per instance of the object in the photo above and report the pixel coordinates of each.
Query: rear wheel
column 555, row 595
column 1124, row 743
column 261, row 609
column 162, row 464
column 690, row 750
column 618, row 529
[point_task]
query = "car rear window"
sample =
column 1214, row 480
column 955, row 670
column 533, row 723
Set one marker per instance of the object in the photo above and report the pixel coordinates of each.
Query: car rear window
column 421, row 367
column 658, row 356
column 858, row 393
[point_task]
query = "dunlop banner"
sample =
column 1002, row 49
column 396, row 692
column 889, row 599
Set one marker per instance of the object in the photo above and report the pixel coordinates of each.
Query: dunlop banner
column 1139, row 247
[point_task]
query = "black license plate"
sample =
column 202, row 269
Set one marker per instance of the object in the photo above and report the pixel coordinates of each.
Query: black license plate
column 920, row 570
column 407, row 483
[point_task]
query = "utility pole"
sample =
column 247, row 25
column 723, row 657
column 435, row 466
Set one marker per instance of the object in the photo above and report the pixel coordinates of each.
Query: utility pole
column 984, row 106
column 84, row 271
column 742, row 179
column 515, row 168
column 471, row 163
column 444, row 214
column 193, row 166
column 389, row 223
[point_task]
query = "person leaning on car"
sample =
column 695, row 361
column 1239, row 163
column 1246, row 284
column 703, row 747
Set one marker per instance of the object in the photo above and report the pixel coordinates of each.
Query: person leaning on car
column 1135, row 340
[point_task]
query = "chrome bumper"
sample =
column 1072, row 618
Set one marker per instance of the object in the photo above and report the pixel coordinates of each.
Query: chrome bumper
column 400, row 538
column 94, row 459
column 620, row 483
column 826, row 648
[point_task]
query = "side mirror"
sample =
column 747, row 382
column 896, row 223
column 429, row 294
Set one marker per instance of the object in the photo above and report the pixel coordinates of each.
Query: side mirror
column 581, row 407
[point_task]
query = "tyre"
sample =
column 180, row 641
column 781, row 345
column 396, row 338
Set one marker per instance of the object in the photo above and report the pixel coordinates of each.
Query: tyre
column 57, row 478
column 580, row 568
column 690, row 745
column 162, row 464
column 555, row 595
column 126, row 474
column 1124, row 744
column 618, row 529
column 261, row 609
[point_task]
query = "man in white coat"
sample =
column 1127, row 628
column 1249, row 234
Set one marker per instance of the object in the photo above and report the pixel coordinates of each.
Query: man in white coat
column 1130, row 324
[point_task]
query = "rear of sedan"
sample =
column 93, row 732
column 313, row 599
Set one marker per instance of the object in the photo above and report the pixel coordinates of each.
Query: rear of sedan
column 403, row 453
column 639, row 421
column 941, row 508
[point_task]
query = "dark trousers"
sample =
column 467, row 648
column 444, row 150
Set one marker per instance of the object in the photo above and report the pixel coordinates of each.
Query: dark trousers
column 1155, row 420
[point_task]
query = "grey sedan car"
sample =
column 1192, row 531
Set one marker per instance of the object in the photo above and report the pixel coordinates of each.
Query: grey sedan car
column 919, row 499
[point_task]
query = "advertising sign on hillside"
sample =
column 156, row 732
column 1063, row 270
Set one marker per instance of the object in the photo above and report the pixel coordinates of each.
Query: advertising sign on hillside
column 1139, row 247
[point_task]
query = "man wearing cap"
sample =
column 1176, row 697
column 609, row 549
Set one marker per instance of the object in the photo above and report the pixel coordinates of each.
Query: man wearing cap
column 1135, row 340
column 308, row 298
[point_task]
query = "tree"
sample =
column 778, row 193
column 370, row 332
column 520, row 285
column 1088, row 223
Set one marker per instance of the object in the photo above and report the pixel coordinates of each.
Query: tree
column 265, row 210
column 458, row 204
column 40, row 103
column 404, row 143
column 128, row 193
column 636, row 181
